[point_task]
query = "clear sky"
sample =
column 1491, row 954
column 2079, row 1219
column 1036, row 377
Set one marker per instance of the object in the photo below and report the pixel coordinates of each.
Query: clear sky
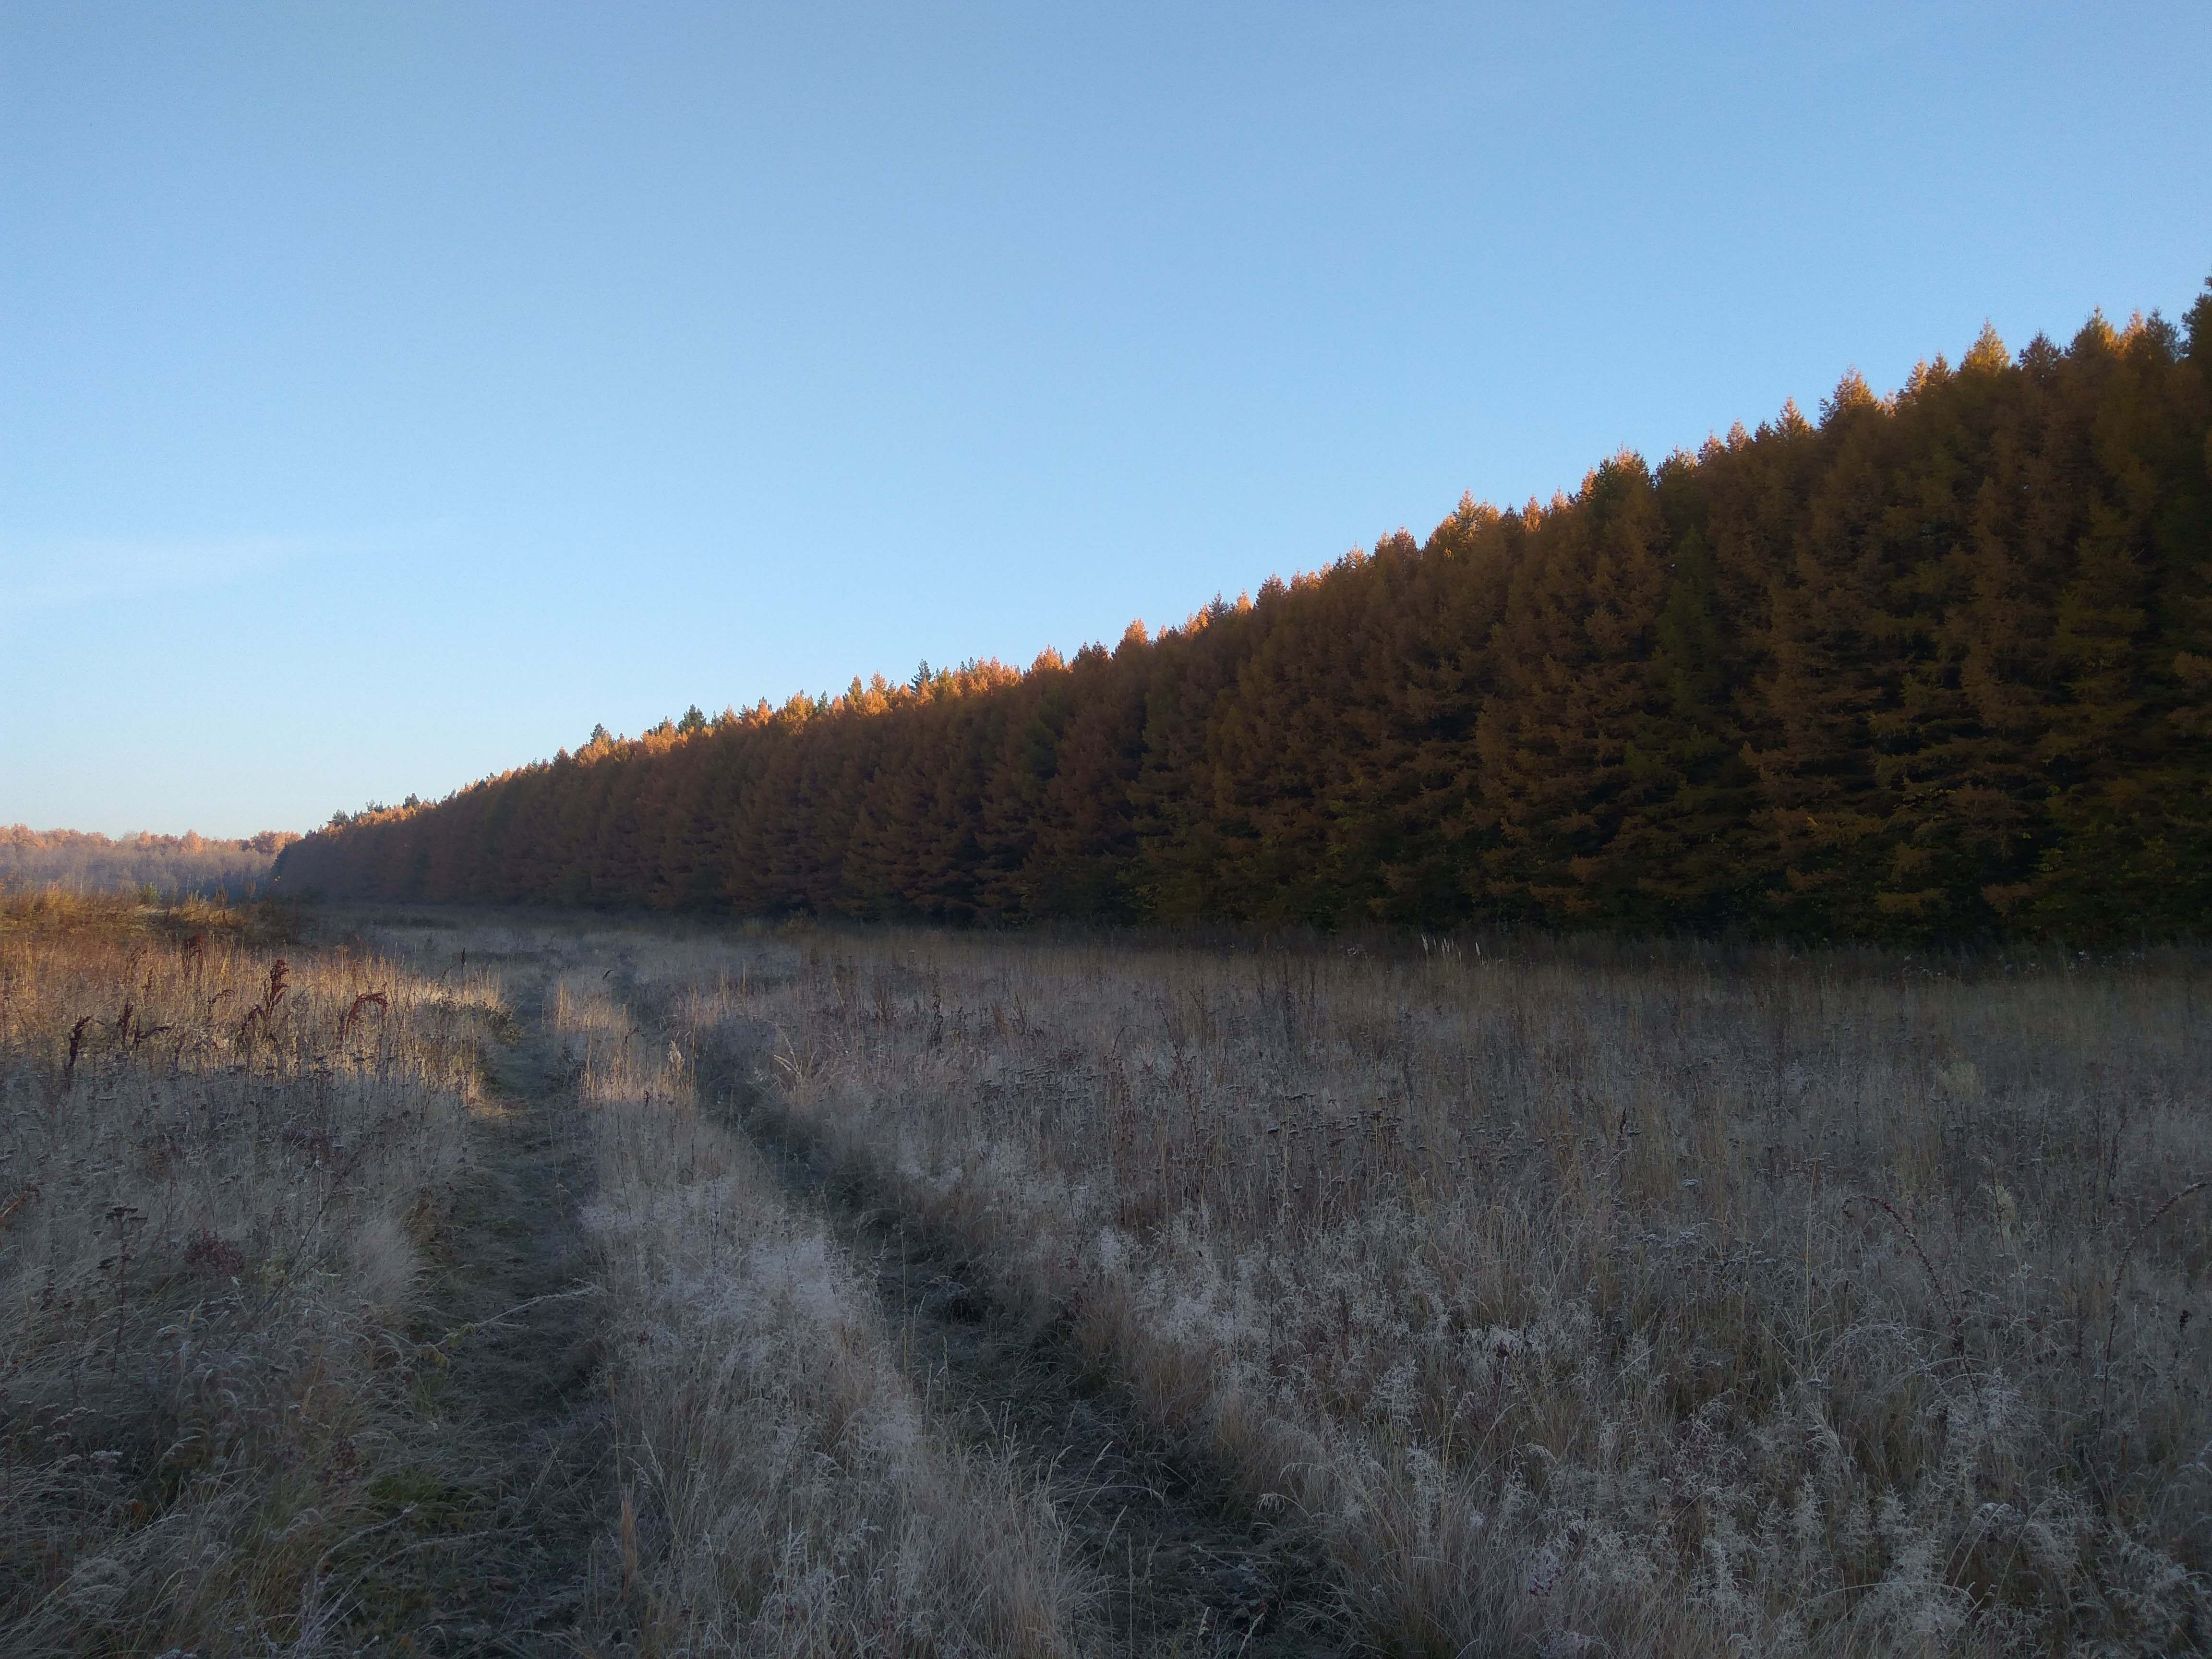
column 388, row 392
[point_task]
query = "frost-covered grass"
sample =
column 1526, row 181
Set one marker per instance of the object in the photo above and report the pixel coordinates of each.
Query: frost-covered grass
column 216, row 1153
column 1587, row 1299
column 783, row 1492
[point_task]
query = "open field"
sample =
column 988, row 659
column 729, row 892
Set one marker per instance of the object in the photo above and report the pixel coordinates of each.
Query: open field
column 224, row 1164
column 308, row 1248
column 611, row 1288
column 1576, row 1298
column 171, row 865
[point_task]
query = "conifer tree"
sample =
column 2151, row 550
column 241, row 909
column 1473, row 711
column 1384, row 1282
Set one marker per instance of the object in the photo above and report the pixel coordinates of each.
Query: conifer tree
column 1936, row 667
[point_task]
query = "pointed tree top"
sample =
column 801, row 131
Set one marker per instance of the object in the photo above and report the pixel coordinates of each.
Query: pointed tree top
column 1987, row 355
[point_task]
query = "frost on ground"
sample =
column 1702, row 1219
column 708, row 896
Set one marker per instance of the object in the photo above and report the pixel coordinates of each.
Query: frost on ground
column 1566, row 1299
column 1586, row 1299
column 782, row 1492
column 219, row 1157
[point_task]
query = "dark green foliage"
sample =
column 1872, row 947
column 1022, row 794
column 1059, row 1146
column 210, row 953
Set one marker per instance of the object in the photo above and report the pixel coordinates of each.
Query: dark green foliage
column 1932, row 668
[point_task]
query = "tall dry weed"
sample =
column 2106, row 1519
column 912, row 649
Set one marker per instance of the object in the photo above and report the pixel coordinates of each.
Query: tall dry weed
column 212, row 1161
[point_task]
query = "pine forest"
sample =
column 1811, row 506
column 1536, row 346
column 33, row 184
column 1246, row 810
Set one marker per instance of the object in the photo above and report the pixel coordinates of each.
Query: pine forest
column 1932, row 667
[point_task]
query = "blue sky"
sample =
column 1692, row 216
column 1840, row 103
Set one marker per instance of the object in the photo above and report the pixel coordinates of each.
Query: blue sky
column 387, row 393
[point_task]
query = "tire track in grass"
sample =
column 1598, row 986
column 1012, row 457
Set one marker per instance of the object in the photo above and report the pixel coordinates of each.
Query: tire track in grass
column 513, row 1325
column 1190, row 1573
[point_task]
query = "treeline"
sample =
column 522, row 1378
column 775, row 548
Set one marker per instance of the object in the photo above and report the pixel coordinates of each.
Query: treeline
column 174, row 866
column 1934, row 666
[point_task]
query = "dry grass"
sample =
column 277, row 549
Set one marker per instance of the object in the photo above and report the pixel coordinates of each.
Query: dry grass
column 1580, row 1300
column 168, row 864
column 212, row 1159
column 1586, row 1300
column 224, row 1428
column 783, row 1490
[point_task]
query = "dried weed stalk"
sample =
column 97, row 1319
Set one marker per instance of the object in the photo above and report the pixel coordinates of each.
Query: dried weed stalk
column 205, row 1267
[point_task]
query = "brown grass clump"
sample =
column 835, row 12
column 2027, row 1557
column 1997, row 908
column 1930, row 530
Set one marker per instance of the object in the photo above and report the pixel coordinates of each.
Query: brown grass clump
column 189, row 921
column 783, row 1492
column 56, row 910
column 1584, row 1300
column 210, row 1163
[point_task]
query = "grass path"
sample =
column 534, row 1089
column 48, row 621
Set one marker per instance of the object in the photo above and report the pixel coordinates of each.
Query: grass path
column 511, row 1306
column 514, row 1521
column 1187, row 1573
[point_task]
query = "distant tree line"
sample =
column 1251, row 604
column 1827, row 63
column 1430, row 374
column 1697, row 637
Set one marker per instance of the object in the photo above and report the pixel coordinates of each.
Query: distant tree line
column 171, row 864
column 1932, row 667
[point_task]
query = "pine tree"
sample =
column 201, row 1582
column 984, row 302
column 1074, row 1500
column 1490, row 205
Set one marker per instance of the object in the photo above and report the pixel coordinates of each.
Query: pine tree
column 1937, row 667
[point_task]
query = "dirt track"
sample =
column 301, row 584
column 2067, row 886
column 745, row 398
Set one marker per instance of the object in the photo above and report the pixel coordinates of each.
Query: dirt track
column 513, row 1321
column 1186, row 1573
column 519, row 1520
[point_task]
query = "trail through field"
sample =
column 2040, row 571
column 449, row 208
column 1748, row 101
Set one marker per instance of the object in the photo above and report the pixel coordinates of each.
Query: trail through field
column 516, row 1320
column 1187, row 1573
column 515, row 1525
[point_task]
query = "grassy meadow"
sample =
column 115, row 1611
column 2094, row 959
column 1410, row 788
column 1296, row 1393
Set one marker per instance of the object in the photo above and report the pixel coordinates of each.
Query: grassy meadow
column 449, row 1282
column 1580, row 1299
column 220, row 1159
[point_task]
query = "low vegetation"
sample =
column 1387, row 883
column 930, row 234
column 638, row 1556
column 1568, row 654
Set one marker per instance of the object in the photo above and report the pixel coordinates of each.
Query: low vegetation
column 1531, row 1298
column 219, row 1155
column 1582, row 1300
column 782, row 1490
